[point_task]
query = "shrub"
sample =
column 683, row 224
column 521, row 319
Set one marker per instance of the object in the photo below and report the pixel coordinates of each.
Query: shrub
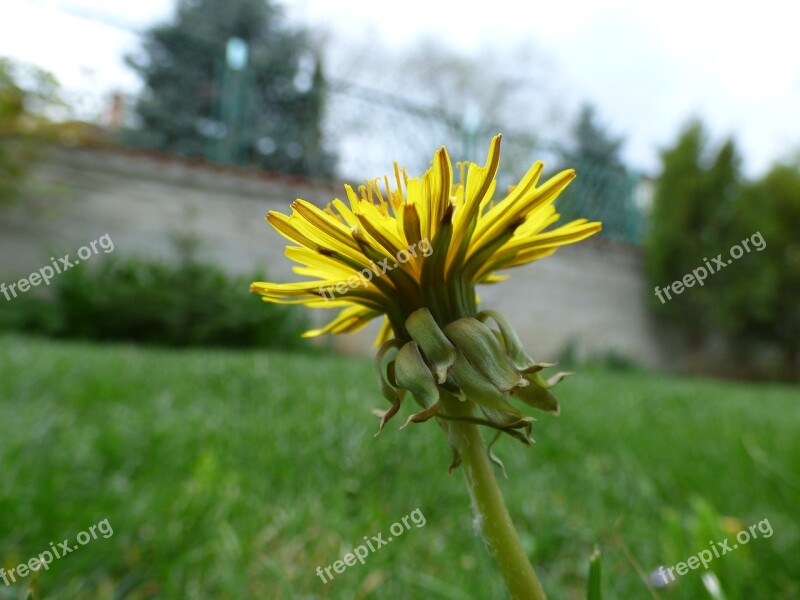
column 185, row 304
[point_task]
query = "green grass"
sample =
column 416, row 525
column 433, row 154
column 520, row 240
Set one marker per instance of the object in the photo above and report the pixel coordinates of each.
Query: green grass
column 235, row 474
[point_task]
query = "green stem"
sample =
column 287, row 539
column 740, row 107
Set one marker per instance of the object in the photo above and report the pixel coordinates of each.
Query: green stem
column 495, row 522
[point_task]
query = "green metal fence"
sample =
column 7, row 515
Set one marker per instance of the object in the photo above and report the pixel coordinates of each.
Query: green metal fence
column 375, row 128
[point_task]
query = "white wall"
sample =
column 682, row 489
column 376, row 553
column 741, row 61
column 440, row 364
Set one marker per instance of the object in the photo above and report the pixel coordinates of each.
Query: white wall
column 591, row 294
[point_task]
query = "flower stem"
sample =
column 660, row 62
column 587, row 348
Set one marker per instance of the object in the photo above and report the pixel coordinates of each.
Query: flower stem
column 495, row 523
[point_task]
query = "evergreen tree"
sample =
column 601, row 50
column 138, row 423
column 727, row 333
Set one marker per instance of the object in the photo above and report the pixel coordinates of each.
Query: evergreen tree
column 266, row 110
column 761, row 299
column 592, row 143
column 603, row 189
column 692, row 216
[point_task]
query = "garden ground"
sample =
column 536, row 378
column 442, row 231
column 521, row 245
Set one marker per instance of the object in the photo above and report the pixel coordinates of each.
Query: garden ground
column 236, row 474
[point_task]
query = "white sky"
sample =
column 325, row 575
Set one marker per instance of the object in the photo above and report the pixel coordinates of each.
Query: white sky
column 647, row 66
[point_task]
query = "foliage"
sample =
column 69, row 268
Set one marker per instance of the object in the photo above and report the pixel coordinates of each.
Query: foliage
column 267, row 113
column 26, row 94
column 594, row 589
column 760, row 299
column 702, row 208
column 694, row 529
column 592, row 142
column 190, row 304
column 695, row 194
column 603, row 189
column 236, row 474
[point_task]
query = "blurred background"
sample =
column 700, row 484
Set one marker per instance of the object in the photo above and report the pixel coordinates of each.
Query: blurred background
column 147, row 386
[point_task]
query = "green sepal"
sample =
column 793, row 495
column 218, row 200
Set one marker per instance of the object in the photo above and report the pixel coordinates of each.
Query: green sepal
column 509, row 420
column 388, row 414
column 537, row 366
column 516, row 351
column 536, row 378
column 513, row 345
column 493, row 457
column 423, row 415
column 522, row 437
column 424, row 330
column 387, row 388
column 556, row 379
column 505, row 422
column 477, row 388
column 536, row 395
column 481, row 348
column 414, row 375
column 454, row 462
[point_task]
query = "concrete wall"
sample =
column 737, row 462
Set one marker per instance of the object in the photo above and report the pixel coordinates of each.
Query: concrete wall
column 590, row 294
column 143, row 200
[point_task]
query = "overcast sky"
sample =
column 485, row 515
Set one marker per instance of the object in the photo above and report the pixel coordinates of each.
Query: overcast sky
column 647, row 66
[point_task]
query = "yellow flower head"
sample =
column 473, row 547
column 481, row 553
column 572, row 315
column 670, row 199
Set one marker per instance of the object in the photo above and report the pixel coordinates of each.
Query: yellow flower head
column 393, row 248
column 414, row 253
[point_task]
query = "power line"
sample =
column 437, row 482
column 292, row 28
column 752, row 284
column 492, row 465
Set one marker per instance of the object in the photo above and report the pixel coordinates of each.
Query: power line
column 102, row 18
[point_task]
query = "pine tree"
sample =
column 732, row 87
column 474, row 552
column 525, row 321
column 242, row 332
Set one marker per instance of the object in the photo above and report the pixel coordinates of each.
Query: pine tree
column 266, row 111
column 603, row 189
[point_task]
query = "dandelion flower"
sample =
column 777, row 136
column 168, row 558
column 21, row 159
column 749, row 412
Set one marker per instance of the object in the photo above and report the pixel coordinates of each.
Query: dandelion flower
column 413, row 250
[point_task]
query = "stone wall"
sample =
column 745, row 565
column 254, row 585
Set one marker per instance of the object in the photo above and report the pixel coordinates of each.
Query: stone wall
column 590, row 295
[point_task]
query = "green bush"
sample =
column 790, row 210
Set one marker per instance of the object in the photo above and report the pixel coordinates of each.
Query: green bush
column 702, row 208
column 186, row 304
column 697, row 190
column 760, row 304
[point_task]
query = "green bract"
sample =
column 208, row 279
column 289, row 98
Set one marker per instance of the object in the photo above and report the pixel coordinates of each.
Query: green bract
column 470, row 361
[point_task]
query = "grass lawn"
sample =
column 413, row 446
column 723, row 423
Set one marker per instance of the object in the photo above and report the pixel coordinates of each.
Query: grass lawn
column 234, row 475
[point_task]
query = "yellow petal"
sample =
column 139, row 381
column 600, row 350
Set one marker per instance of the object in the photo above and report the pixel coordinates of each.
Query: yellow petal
column 349, row 320
column 520, row 203
column 479, row 188
column 385, row 333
